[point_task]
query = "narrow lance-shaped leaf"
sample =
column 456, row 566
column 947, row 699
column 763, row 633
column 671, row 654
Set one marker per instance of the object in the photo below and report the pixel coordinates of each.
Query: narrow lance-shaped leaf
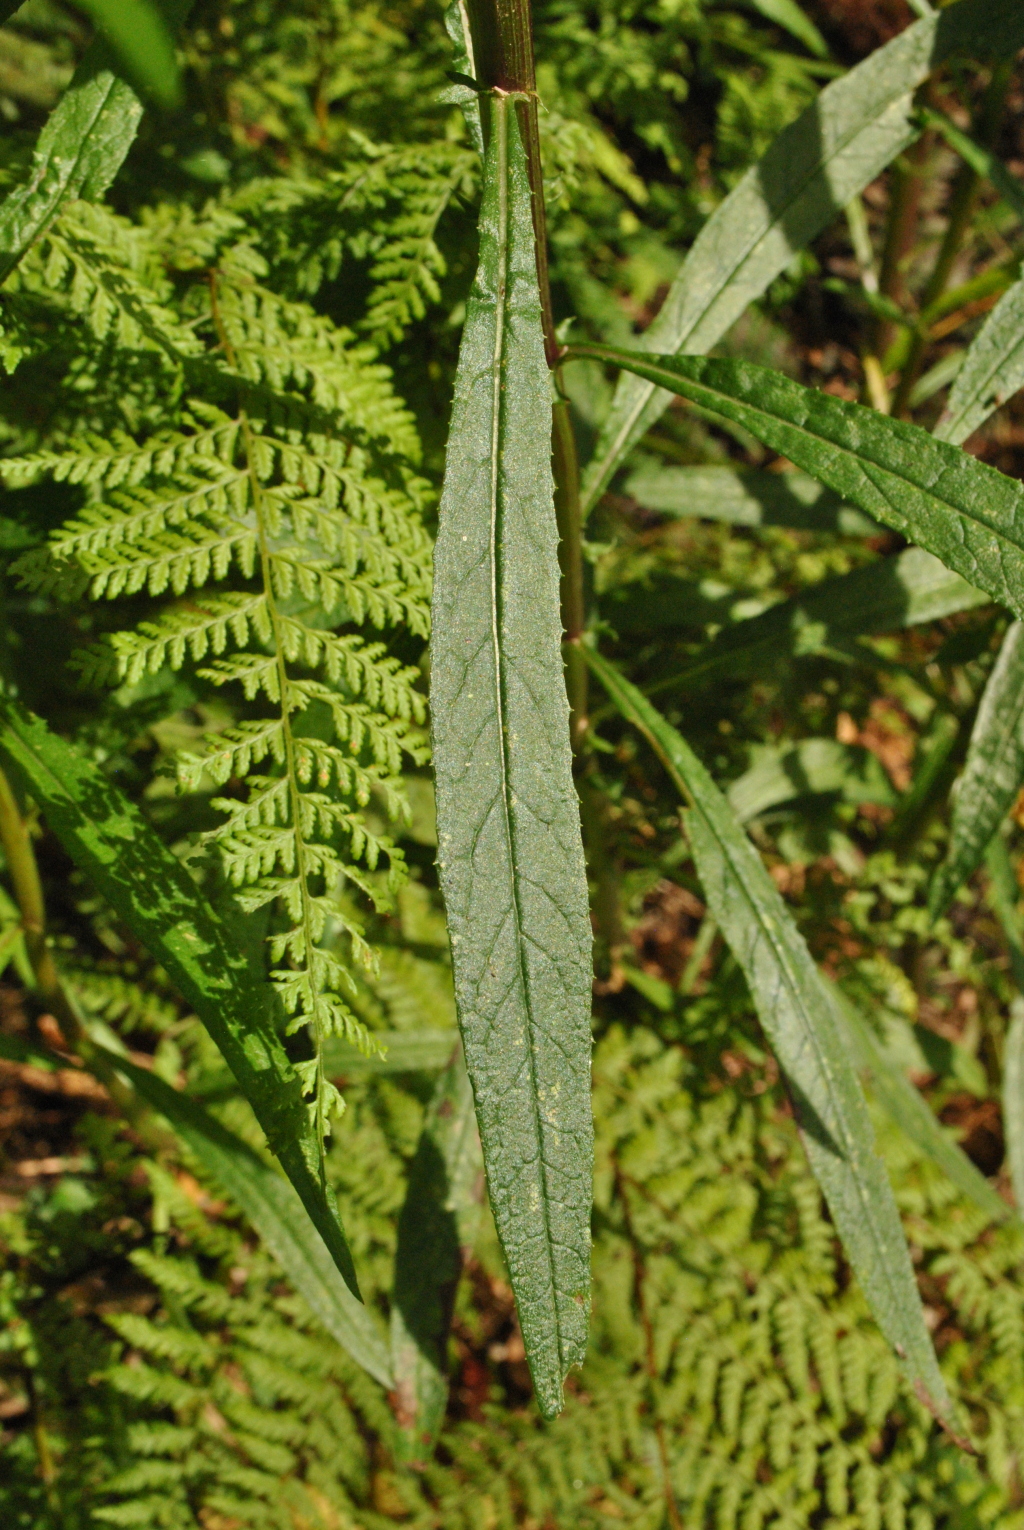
column 142, row 45
column 786, row 13
column 750, row 498
column 981, row 160
column 992, row 370
column 799, row 1018
column 911, row 1112
column 965, row 512
column 267, row 1201
column 893, row 593
column 437, row 1225
column 80, row 149
column 158, row 900
column 1013, row 1098
column 510, row 853
column 844, row 139
column 456, row 24
column 1004, row 896
column 992, row 775
column 813, row 766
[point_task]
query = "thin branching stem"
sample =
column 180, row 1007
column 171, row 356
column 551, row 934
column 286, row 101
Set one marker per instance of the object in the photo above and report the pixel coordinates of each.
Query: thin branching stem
column 28, row 892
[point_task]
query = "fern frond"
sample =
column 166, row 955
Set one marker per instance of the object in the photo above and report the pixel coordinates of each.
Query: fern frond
column 106, row 270
column 270, row 532
column 383, row 208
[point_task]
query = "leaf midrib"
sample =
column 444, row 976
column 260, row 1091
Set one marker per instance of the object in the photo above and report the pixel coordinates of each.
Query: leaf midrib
column 952, row 430
column 860, row 455
column 497, row 420
column 820, row 166
column 849, row 1153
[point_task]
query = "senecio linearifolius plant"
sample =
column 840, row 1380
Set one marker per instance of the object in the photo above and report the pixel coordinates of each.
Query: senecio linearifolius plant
column 273, row 530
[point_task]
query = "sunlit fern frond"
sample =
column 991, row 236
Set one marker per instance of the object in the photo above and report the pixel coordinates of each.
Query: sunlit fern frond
column 381, row 210
column 275, row 540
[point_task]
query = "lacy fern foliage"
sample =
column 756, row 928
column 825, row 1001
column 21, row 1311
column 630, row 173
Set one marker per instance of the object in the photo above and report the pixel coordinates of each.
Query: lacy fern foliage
column 383, row 211
column 274, row 529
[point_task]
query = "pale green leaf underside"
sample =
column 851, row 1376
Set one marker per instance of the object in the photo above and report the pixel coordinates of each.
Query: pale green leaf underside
column 966, row 513
column 750, row 498
column 992, row 774
column 158, row 900
column 510, row 853
column 844, row 139
column 798, row 1014
column 809, row 768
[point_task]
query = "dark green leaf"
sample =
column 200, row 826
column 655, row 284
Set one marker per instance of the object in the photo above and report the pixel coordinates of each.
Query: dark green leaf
column 1004, row 896
column 966, row 513
column 746, row 498
column 510, row 853
column 141, row 43
column 842, row 141
column 993, row 773
column 981, row 161
column 786, row 13
column 798, row 1014
column 274, row 1210
column 404, row 1052
column 911, row 1112
column 903, row 591
column 80, row 149
column 815, row 765
column 992, row 370
column 931, row 777
column 158, row 900
column 438, row 1223
column 267, row 1201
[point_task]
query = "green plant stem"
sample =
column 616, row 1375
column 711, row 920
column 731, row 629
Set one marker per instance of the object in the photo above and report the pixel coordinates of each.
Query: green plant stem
column 605, row 873
column 701, row 946
column 50, row 989
column 900, row 232
column 28, row 892
column 961, row 209
column 964, row 195
column 570, row 557
column 44, row 1455
column 502, row 35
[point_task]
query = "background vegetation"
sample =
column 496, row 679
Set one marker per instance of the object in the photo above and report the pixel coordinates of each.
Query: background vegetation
column 156, row 1368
